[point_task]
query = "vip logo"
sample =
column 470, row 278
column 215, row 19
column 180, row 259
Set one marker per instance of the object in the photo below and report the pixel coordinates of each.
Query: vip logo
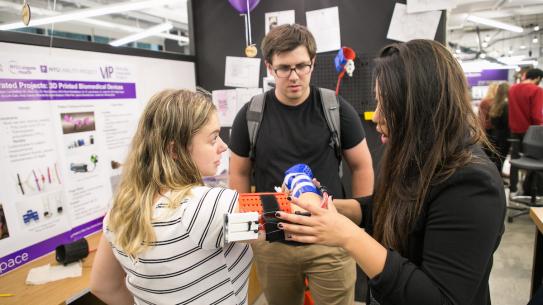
column 107, row 72
column 43, row 68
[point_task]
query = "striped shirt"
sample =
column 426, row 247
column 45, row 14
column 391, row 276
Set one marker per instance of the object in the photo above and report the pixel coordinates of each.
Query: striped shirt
column 189, row 263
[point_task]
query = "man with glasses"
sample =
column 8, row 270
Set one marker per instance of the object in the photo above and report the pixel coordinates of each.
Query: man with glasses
column 293, row 129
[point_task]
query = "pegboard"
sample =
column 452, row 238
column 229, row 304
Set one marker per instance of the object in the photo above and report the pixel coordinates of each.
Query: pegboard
column 357, row 90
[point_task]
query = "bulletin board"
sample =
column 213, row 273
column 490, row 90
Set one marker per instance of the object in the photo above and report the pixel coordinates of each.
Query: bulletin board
column 356, row 89
column 219, row 32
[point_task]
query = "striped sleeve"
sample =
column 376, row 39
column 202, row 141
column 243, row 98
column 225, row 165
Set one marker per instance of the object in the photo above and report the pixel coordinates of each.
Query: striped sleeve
column 204, row 217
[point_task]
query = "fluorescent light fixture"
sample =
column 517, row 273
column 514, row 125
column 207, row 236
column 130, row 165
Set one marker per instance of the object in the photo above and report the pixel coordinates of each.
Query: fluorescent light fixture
column 496, row 24
column 131, row 29
column 146, row 33
column 509, row 60
column 520, row 60
column 91, row 12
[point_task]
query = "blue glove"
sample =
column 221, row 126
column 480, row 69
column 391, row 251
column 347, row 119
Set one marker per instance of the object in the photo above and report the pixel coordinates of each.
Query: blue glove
column 298, row 180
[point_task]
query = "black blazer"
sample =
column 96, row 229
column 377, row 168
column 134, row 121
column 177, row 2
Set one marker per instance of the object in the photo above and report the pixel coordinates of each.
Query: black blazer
column 450, row 247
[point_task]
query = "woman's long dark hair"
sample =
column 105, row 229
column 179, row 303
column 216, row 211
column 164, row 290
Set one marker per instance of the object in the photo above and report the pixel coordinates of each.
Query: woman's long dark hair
column 424, row 100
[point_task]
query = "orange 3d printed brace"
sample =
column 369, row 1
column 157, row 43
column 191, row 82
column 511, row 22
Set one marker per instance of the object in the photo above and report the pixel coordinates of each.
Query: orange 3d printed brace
column 256, row 211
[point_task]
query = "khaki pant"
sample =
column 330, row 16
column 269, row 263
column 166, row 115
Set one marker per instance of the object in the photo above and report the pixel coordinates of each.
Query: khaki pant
column 282, row 268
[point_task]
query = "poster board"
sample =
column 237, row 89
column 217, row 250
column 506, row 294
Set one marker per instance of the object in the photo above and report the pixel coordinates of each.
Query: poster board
column 66, row 121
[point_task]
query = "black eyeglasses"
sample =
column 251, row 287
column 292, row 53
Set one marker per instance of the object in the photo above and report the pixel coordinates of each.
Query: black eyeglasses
column 285, row 71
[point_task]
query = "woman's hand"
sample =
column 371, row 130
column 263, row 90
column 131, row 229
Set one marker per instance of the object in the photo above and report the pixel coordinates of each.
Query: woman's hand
column 324, row 226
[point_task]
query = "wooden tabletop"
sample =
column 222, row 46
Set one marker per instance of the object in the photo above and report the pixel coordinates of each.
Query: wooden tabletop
column 536, row 214
column 52, row 293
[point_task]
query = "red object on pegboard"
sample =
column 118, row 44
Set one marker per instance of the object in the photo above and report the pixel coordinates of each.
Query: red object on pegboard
column 250, row 202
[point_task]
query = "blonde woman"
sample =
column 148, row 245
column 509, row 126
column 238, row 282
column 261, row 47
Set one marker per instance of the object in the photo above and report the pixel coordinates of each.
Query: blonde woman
column 484, row 106
column 162, row 240
column 499, row 119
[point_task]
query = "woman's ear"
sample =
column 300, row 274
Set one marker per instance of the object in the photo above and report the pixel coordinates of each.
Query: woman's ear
column 172, row 151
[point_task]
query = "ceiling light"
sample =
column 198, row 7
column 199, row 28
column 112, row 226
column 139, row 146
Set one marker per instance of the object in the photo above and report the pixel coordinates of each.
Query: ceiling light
column 91, row 12
column 483, row 55
column 484, row 44
column 487, row 38
column 521, row 60
column 512, row 59
column 458, row 51
column 132, row 29
column 535, row 40
column 143, row 34
column 522, row 47
column 494, row 23
column 536, row 28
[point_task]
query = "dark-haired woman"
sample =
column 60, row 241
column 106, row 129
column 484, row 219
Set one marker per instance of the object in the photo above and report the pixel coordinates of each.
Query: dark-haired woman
column 438, row 209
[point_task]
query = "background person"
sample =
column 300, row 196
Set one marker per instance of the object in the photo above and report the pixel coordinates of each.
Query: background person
column 525, row 109
column 484, row 107
column 499, row 125
column 526, row 103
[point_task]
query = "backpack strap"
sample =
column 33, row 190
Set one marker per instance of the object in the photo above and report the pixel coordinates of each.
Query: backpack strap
column 254, row 118
column 330, row 107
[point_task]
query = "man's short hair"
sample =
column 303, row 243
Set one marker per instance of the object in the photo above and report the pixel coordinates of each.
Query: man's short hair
column 287, row 37
column 534, row 74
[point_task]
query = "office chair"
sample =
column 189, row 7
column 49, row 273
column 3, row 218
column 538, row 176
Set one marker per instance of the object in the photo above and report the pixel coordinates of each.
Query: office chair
column 530, row 160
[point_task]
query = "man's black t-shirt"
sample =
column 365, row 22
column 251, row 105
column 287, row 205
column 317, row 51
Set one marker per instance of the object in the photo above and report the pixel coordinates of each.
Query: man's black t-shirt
column 296, row 134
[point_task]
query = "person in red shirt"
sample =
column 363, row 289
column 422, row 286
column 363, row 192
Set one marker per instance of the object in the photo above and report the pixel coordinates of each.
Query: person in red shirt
column 525, row 109
column 526, row 103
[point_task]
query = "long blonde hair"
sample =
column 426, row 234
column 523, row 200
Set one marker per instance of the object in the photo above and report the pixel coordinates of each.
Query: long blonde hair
column 159, row 160
column 491, row 91
column 500, row 100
